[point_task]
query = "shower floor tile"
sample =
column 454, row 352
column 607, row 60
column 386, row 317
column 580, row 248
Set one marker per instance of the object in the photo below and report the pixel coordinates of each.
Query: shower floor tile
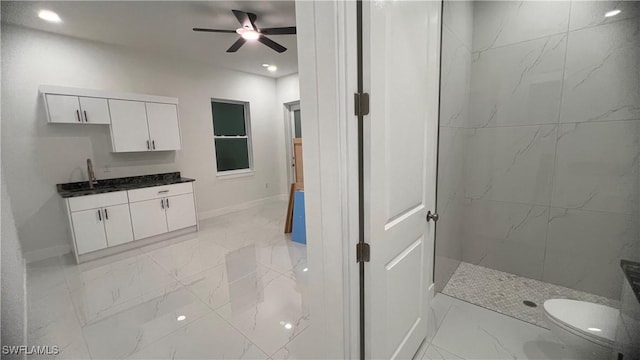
column 505, row 293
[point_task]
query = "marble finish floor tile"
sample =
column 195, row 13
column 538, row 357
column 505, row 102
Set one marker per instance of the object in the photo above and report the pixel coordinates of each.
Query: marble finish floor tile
column 503, row 292
column 473, row 332
column 237, row 289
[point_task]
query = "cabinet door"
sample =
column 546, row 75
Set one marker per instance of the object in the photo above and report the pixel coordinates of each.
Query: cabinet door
column 117, row 224
column 148, row 218
column 181, row 211
column 88, row 228
column 95, row 110
column 129, row 130
column 163, row 126
column 63, row 109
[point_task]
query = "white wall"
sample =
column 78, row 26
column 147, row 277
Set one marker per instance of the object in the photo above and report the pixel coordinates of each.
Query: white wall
column 287, row 90
column 38, row 155
column 13, row 300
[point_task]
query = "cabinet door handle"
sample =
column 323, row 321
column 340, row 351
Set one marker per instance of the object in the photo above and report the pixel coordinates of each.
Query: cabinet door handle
column 162, row 203
column 78, row 115
column 148, row 147
column 153, row 142
column 106, row 214
column 167, row 202
column 99, row 215
column 86, row 119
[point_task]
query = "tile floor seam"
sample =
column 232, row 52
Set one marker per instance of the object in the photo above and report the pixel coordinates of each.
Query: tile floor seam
column 247, row 336
column 241, row 333
column 170, row 333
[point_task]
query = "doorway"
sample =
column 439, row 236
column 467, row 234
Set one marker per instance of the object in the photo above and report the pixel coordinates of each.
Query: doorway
column 293, row 134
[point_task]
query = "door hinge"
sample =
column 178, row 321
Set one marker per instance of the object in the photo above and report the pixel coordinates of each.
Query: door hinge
column 361, row 104
column 363, row 252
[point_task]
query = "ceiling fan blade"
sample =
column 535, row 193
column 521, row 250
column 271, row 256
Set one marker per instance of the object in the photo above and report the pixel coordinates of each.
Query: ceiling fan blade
column 291, row 30
column 272, row 44
column 236, row 45
column 245, row 19
column 214, row 30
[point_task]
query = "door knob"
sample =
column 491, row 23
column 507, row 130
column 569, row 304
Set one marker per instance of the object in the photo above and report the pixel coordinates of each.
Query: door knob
column 432, row 216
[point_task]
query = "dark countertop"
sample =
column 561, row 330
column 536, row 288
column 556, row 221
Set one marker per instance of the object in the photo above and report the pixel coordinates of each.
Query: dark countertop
column 632, row 272
column 119, row 184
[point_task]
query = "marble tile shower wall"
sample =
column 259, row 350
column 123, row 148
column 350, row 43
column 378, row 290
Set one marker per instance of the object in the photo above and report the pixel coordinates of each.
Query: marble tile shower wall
column 549, row 141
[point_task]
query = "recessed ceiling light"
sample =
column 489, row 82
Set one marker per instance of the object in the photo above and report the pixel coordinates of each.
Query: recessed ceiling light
column 265, row 65
column 181, row 317
column 288, row 326
column 272, row 68
column 49, row 16
column 305, row 269
column 594, row 329
column 612, row 13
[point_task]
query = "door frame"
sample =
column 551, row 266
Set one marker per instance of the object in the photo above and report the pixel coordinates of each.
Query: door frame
column 327, row 62
column 289, row 132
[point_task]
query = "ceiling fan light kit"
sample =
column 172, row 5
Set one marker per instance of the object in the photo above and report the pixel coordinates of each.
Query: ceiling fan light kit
column 250, row 32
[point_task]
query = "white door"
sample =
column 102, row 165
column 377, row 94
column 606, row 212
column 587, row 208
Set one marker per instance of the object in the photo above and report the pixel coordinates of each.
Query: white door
column 181, row 211
column 401, row 52
column 95, row 110
column 117, row 224
column 63, row 109
column 163, row 126
column 129, row 131
column 148, row 218
column 88, row 229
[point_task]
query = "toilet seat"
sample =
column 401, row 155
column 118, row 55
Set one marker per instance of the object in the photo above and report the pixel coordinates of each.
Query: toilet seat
column 593, row 322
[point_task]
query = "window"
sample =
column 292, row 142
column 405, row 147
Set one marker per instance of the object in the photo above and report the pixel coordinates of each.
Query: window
column 232, row 136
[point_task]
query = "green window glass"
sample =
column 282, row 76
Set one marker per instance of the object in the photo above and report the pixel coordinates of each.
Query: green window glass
column 231, row 135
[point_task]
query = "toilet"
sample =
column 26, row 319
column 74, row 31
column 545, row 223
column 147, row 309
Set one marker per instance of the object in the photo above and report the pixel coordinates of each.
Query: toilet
column 585, row 327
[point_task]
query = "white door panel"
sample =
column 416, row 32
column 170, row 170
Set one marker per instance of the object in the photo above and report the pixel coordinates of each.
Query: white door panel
column 181, row 211
column 401, row 52
column 164, row 131
column 129, row 131
column 117, row 224
column 148, row 218
column 95, row 110
column 88, row 229
column 63, row 109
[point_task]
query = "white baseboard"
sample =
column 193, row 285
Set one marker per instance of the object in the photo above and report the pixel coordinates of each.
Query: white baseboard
column 239, row 207
column 41, row 254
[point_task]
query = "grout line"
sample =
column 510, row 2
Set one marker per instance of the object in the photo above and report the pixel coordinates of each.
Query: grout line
column 557, row 123
column 555, row 155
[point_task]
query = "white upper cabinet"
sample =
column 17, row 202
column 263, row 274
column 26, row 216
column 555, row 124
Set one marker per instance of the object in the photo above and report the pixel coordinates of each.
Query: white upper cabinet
column 63, row 109
column 129, row 131
column 94, row 110
column 164, row 130
column 138, row 122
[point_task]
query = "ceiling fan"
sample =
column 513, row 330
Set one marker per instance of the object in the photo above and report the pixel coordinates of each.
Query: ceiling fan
column 249, row 31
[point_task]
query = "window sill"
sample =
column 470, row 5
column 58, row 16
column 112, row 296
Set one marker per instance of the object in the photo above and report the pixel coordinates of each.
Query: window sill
column 235, row 174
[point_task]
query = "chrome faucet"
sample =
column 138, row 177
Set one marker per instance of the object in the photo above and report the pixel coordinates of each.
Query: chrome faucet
column 92, row 176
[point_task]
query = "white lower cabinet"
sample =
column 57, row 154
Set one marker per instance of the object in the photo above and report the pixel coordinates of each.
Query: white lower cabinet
column 181, row 211
column 148, row 218
column 161, row 215
column 97, row 229
column 88, row 230
column 117, row 224
column 106, row 220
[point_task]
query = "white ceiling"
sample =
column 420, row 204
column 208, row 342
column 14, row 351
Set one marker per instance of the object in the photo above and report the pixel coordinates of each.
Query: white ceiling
column 166, row 28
